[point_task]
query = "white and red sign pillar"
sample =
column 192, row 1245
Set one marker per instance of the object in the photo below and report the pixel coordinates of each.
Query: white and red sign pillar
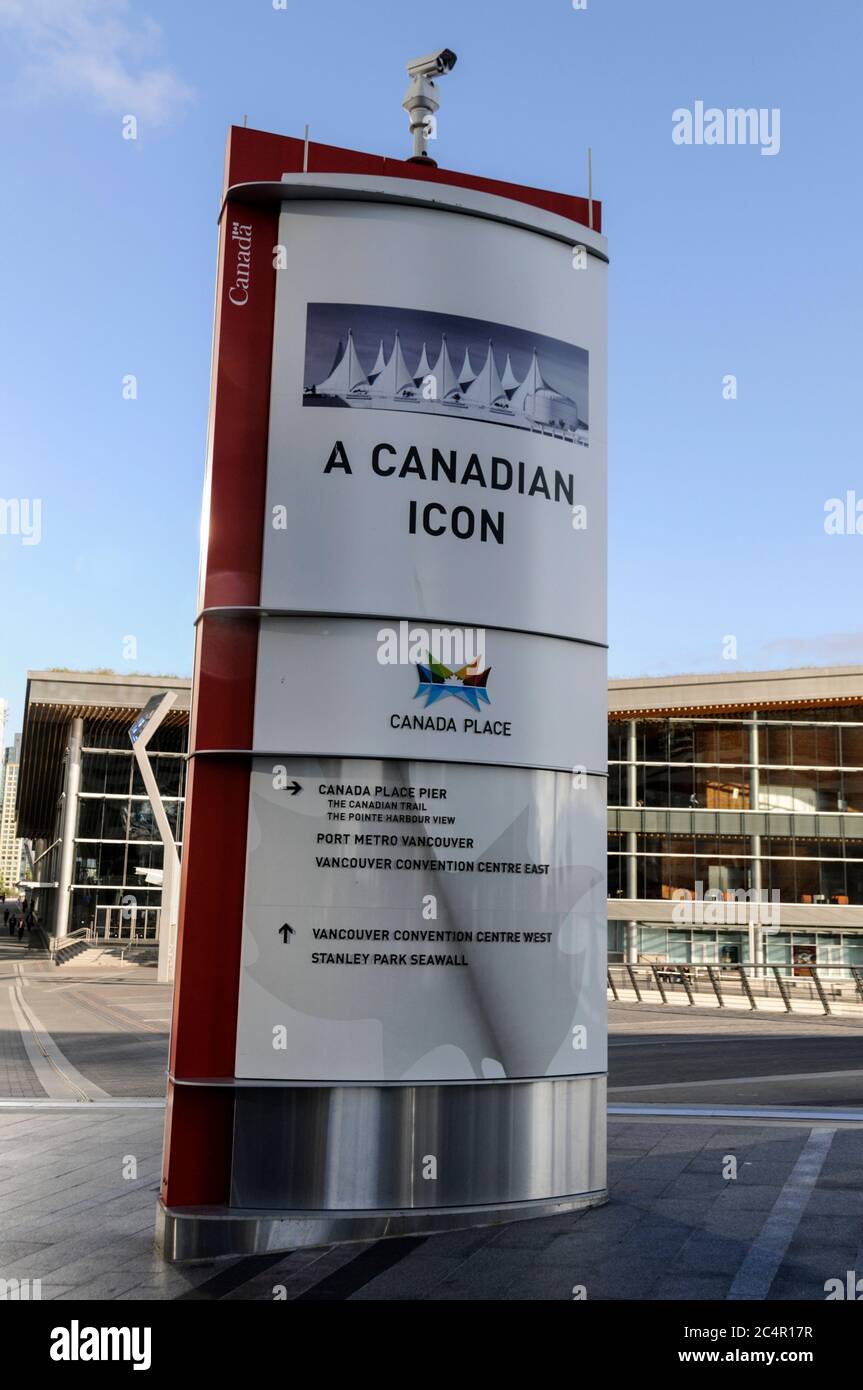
column 201, row 1136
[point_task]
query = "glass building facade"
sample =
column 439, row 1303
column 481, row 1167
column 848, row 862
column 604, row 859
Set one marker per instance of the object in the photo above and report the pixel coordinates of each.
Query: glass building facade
column 766, row 802
column 117, row 842
column 97, row 852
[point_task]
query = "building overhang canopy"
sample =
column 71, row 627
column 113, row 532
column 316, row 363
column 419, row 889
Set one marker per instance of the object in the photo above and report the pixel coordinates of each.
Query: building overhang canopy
column 54, row 699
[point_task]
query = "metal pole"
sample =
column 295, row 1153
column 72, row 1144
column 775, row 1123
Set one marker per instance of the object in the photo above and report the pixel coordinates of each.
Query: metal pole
column 747, row 987
column 631, row 974
column 684, row 976
column 711, row 974
column 632, row 840
column 69, row 823
column 783, row 989
column 820, row 988
column 659, row 985
column 755, row 884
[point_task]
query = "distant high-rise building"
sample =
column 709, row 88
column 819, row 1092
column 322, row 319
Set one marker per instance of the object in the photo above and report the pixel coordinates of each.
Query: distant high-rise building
column 11, row 847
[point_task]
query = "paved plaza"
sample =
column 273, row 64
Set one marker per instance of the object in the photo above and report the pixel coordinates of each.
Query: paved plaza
column 674, row 1228
column 737, row 1206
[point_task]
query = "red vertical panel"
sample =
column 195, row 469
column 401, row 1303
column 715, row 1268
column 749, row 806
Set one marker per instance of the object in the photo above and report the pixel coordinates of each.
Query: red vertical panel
column 199, row 1120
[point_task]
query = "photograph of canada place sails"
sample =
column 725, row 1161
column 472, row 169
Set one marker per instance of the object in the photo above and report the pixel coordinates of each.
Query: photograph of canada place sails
column 377, row 357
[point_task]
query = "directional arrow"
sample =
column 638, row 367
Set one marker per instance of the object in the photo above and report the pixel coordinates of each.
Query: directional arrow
column 283, row 933
column 294, row 788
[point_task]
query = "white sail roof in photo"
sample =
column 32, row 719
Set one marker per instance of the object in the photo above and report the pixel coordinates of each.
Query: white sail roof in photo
column 396, row 378
column 347, row 376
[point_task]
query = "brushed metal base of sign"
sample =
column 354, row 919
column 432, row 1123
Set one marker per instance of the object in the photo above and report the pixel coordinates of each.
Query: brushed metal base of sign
column 318, row 1165
column 187, row 1234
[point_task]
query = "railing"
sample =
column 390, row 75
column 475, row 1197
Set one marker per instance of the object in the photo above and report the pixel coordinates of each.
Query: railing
column 60, row 944
column 764, row 987
column 126, row 922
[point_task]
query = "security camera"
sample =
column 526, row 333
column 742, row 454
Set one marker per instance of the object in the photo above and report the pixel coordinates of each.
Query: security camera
column 433, row 64
column 421, row 99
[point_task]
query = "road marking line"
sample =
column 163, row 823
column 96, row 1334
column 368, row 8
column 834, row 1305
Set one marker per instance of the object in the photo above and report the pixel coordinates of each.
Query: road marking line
column 741, row 1080
column 766, row 1253
column 49, row 1063
column 42, row 1103
column 46, row 1074
column 802, row 1115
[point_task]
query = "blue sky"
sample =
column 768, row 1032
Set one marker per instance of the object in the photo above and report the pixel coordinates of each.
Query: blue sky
column 723, row 261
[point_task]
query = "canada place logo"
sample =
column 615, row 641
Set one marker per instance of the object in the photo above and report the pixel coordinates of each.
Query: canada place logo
column 467, row 684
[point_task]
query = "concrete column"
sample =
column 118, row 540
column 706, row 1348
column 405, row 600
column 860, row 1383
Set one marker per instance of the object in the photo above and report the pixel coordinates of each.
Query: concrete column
column 755, row 880
column 632, row 838
column 68, row 825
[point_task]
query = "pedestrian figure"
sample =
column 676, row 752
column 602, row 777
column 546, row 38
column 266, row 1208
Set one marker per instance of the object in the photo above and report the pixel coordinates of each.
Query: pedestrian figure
column 21, row 931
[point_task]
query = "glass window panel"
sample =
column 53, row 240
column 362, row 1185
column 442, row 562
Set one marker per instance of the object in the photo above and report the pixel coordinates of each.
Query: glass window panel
column 787, row 790
column 732, row 743
column 705, row 743
column 654, row 941
column 119, row 768
column 852, row 747
column 804, row 746
column 829, row 791
column 681, row 742
column 142, row 823
column 808, row 881
column 655, row 786
column 775, row 745
column 777, row 875
column 169, row 739
column 681, row 786
column 833, row 882
column 168, row 775
column 112, row 859
column 616, row 741
column 93, row 767
column 852, row 791
column 616, row 878
column 143, row 857
column 723, row 875
column 653, row 741
column 679, row 946
column 82, row 910
column 86, row 863
column 778, row 950
column 676, row 875
column 90, row 819
column 615, row 786
column 854, row 882
column 722, row 788
column 115, row 820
